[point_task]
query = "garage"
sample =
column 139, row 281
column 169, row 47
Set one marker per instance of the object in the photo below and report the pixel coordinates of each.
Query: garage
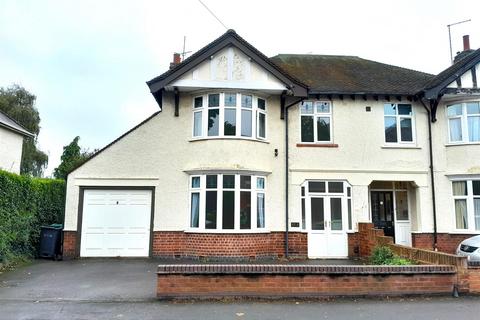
column 116, row 223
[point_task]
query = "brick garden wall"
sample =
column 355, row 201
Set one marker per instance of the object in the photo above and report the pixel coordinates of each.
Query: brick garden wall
column 70, row 244
column 446, row 242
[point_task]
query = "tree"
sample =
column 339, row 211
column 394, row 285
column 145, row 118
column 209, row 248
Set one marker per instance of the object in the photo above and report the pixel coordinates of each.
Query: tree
column 72, row 157
column 19, row 104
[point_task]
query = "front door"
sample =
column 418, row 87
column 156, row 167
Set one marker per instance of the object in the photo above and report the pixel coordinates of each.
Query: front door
column 382, row 211
column 327, row 237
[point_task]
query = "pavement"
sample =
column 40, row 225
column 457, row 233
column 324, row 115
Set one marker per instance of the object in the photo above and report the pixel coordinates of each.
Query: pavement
column 125, row 289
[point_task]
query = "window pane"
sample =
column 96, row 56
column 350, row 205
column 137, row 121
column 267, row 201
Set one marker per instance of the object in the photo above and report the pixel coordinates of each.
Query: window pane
column 323, row 129
column 261, row 104
column 389, row 109
column 476, row 187
column 401, row 202
column 213, row 100
column 336, row 213
column 455, row 129
column 459, row 188
column 307, row 128
column 195, row 210
column 261, row 125
column 303, row 214
column 306, row 107
column 349, row 208
column 228, row 181
column 335, row 187
column 260, row 183
column 197, row 124
column 211, row 181
column 246, row 101
column 473, row 108
column 318, row 214
column 260, row 210
column 454, row 110
column 245, row 209
column 213, row 122
column 405, row 109
column 461, row 214
column 473, row 129
column 246, row 123
column 322, row 107
column 390, row 129
column 476, row 213
column 228, row 213
column 230, row 99
column 245, row 182
column 195, row 182
column 211, row 209
column 229, row 127
column 303, row 191
column 349, row 191
column 315, row 186
column 406, row 129
column 198, row 102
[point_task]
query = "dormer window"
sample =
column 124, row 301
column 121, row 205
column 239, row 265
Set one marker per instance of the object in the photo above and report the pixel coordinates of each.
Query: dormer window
column 464, row 122
column 229, row 115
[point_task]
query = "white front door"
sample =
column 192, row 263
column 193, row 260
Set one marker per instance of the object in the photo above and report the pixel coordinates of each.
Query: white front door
column 403, row 229
column 116, row 223
column 327, row 236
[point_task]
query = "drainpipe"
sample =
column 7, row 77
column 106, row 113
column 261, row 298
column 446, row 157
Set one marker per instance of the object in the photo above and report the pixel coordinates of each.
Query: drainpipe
column 286, row 173
column 432, row 178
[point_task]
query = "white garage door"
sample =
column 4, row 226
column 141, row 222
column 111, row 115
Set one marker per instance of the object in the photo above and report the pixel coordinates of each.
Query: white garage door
column 116, row 223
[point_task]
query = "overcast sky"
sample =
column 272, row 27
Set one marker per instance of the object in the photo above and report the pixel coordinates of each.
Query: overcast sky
column 87, row 61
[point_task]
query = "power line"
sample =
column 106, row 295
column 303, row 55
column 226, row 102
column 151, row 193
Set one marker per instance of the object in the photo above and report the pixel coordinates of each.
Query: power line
column 213, row 14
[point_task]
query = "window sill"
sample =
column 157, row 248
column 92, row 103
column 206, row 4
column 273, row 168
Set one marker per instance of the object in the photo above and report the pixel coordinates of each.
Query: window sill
column 317, row 145
column 469, row 232
column 228, row 138
column 215, row 231
column 400, row 146
column 461, row 144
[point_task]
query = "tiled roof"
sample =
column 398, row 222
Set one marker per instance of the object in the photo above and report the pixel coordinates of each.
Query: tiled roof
column 9, row 123
column 351, row 75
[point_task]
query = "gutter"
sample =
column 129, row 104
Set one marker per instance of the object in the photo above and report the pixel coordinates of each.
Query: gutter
column 286, row 172
column 432, row 178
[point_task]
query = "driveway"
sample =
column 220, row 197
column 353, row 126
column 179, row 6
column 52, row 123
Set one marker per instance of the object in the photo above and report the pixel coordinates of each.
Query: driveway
column 81, row 280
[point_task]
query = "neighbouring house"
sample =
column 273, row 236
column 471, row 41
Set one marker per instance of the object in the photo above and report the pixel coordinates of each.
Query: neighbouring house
column 253, row 157
column 11, row 143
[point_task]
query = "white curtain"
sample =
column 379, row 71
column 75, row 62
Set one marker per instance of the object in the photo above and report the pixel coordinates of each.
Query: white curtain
column 260, row 210
column 474, row 129
column 195, row 210
column 461, row 213
column 476, row 212
column 455, row 129
column 459, row 188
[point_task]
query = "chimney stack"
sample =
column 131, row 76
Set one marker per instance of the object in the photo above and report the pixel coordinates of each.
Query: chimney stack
column 176, row 60
column 466, row 42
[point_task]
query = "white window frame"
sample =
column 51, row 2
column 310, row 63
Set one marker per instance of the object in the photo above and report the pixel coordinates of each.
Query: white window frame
column 219, row 189
column 463, row 122
column 398, row 118
column 470, row 206
column 238, row 116
column 316, row 115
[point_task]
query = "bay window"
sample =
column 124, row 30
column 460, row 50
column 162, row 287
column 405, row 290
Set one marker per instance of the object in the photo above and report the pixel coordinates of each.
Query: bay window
column 229, row 114
column 315, row 121
column 464, row 122
column 466, row 198
column 227, row 202
column 399, row 123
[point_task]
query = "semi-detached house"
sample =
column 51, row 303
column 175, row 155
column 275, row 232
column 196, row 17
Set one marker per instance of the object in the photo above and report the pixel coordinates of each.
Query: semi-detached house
column 252, row 157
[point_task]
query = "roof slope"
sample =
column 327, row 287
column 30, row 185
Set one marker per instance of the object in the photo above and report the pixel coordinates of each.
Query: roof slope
column 9, row 123
column 351, row 75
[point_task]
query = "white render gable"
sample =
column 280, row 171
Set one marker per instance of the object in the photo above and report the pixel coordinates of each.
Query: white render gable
column 466, row 80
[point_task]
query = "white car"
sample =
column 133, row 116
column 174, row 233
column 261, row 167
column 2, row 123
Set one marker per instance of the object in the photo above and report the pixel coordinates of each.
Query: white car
column 470, row 248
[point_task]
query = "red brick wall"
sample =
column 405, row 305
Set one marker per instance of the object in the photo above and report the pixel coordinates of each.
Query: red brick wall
column 474, row 279
column 446, row 242
column 70, row 244
column 253, row 245
column 218, row 285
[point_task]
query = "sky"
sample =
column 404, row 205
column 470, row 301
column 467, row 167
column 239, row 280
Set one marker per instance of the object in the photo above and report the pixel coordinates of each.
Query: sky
column 87, row 61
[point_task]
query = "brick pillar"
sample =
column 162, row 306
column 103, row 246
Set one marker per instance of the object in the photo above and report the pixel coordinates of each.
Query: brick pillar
column 70, row 244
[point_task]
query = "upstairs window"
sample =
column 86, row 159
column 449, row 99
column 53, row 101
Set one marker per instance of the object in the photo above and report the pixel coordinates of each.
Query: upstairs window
column 399, row 123
column 464, row 122
column 316, row 121
column 229, row 114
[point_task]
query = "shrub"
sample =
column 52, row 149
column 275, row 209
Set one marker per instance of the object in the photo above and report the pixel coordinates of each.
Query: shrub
column 383, row 255
column 26, row 204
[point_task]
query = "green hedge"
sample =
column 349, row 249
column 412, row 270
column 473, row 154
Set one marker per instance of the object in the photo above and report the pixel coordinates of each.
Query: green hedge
column 26, row 204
